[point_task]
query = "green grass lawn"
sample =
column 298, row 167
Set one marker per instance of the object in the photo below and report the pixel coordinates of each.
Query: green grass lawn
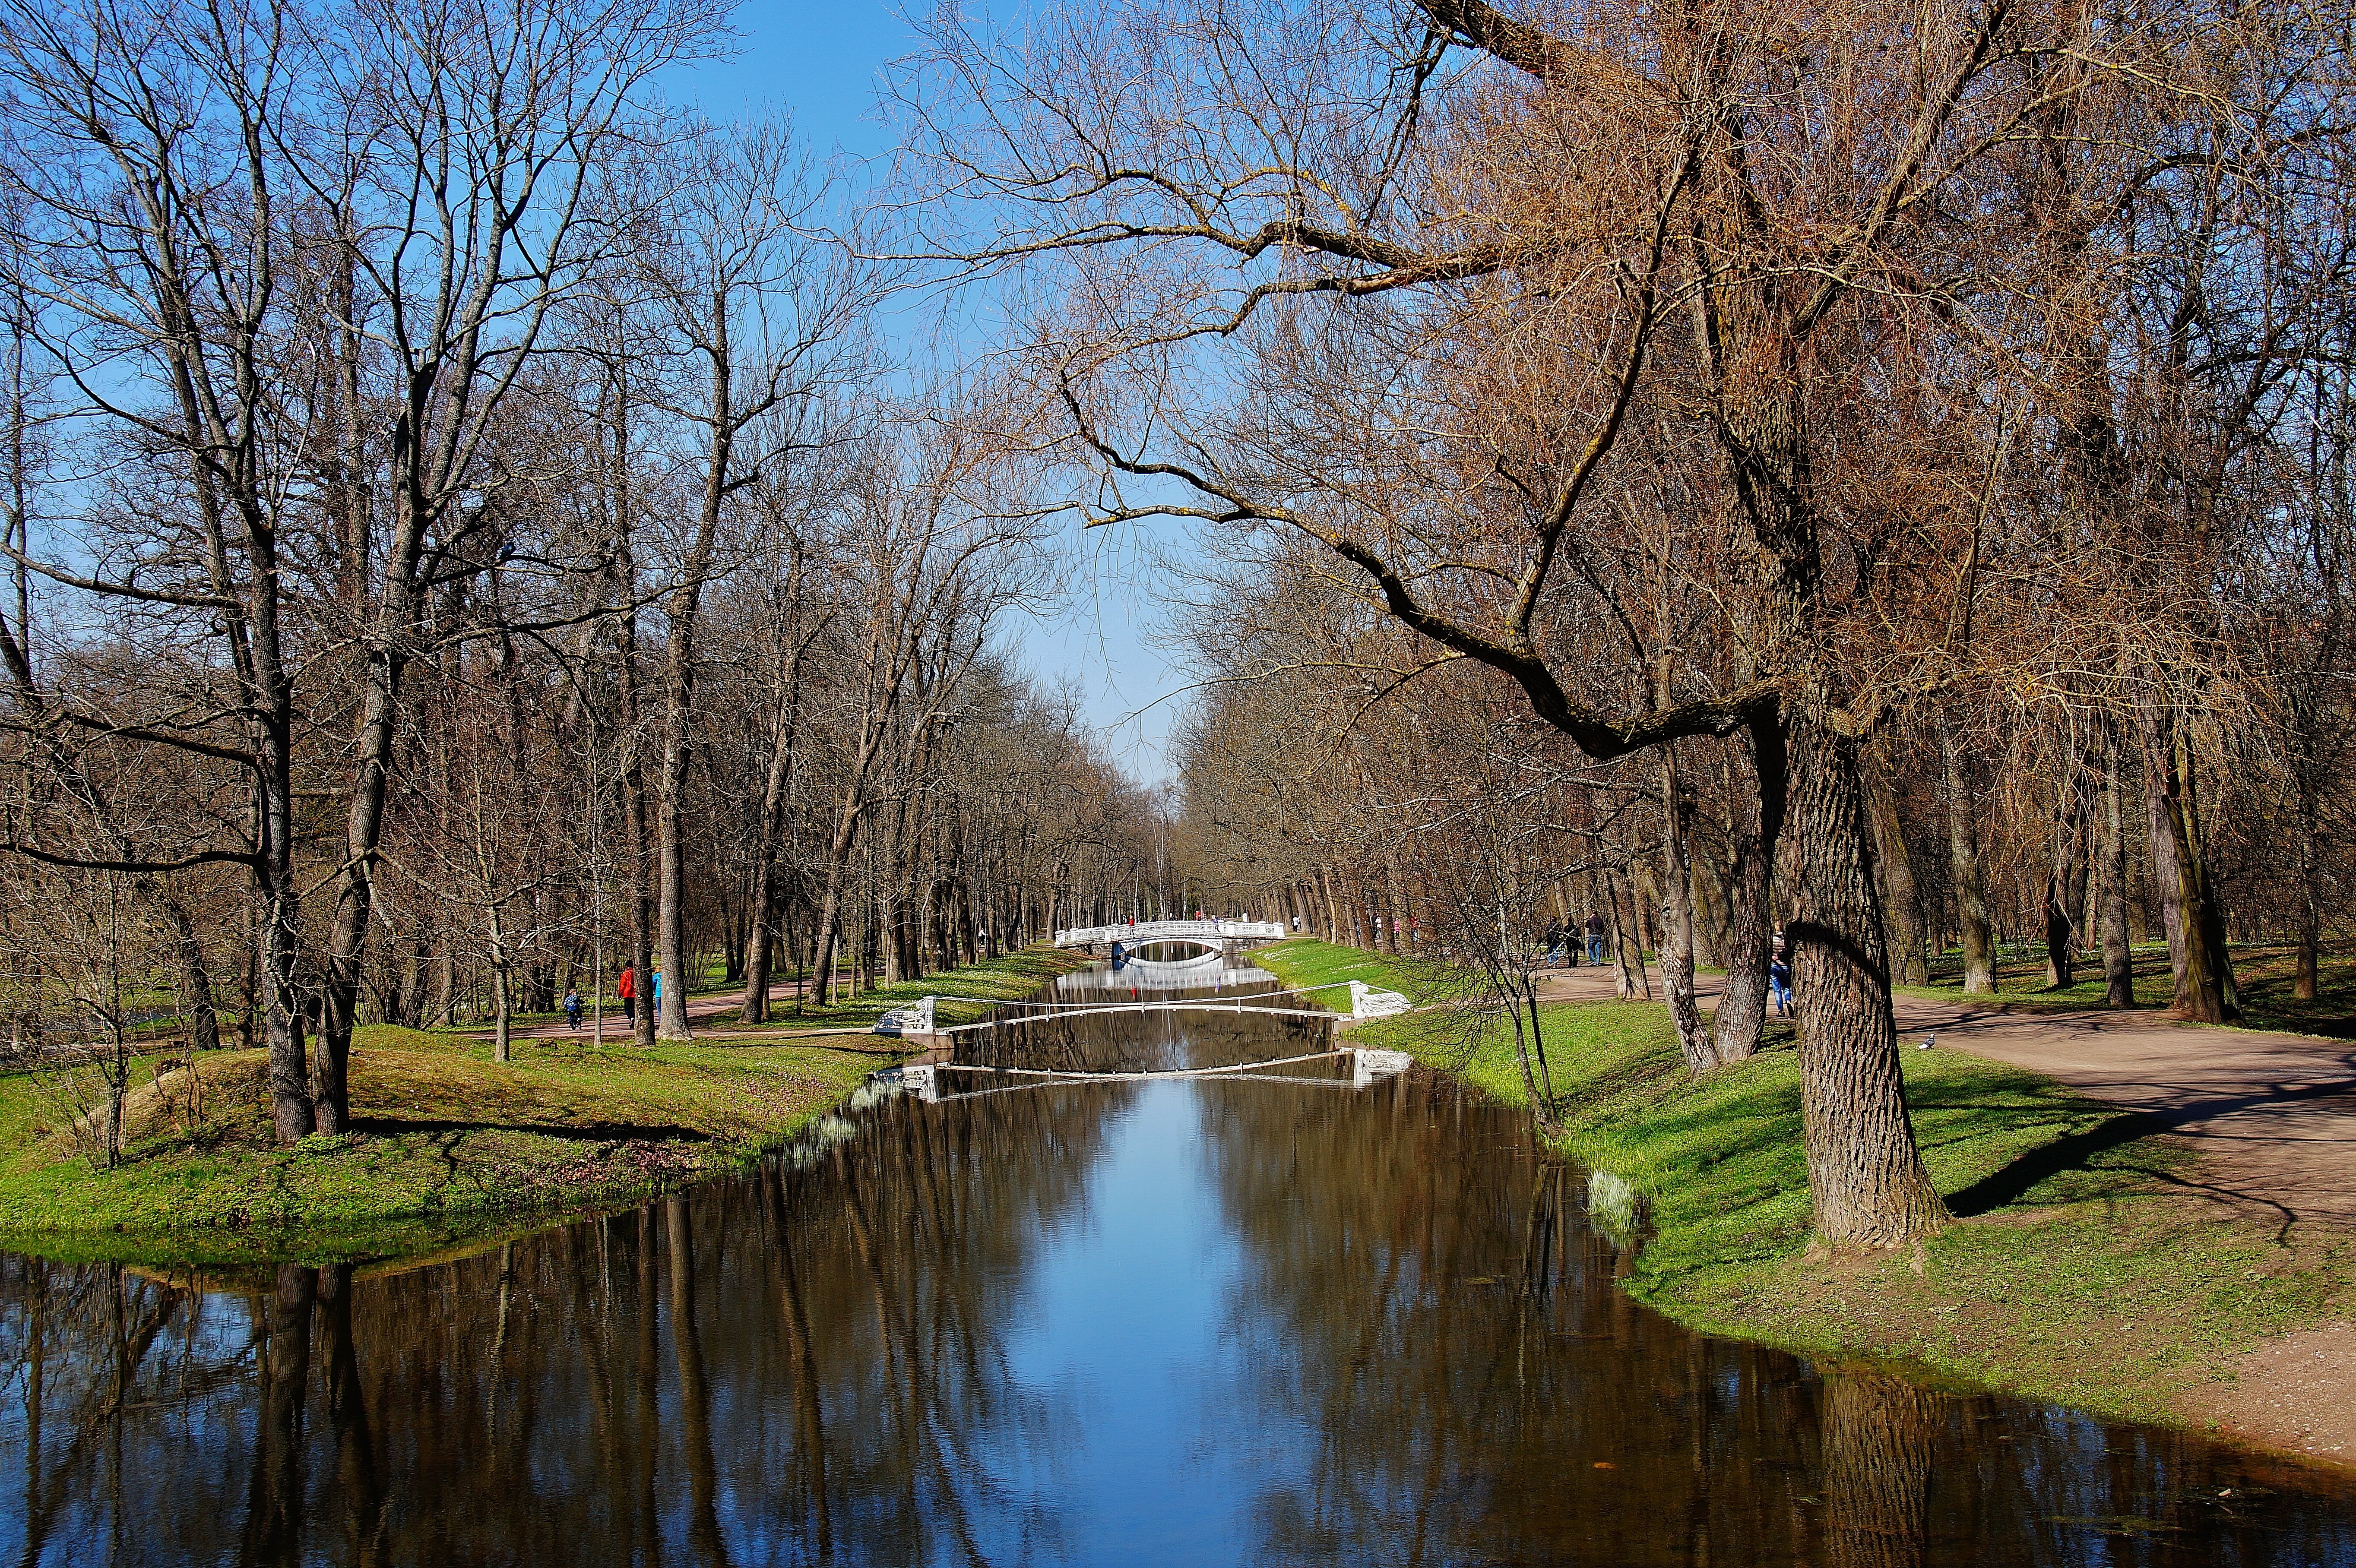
column 1303, row 962
column 446, row 1143
column 2082, row 1267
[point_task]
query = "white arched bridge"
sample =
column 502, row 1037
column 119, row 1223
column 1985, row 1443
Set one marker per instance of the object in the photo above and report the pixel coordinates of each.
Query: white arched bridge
column 1137, row 933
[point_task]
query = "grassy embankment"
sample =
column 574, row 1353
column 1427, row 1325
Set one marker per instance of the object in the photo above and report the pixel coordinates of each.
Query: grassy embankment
column 447, row 1146
column 2082, row 1270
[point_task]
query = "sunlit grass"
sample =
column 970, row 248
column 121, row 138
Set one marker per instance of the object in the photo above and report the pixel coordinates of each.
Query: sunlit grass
column 445, row 1141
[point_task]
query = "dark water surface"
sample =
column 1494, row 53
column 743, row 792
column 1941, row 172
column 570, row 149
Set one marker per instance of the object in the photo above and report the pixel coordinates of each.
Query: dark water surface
column 1169, row 1322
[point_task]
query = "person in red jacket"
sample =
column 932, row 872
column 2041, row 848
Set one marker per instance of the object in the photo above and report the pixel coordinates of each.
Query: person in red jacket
column 628, row 986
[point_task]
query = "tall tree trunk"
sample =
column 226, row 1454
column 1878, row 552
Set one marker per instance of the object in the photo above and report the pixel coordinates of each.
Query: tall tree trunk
column 670, row 854
column 1865, row 1173
column 1909, row 942
column 2204, row 975
column 2064, row 883
column 1713, row 900
column 1963, row 862
column 1676, row 920
column 502, row 1029
column 682, row 609
column 1630, row 981
column 1867, row 1176
column 2118, row 955
column 639, row 846
column 1750, row 886
column 1398, row 903
column 2166, row 884
column 837, row 856
column 409, row 994
column 391, row 639
column 760, row 941
column 2310, row 876
column 290, row 1082
column 890, row 846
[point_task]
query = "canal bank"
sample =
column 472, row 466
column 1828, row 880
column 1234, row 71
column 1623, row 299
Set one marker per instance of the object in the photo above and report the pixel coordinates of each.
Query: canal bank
column 1193, row 1320
column 448, row 1146
column 2090, row 1266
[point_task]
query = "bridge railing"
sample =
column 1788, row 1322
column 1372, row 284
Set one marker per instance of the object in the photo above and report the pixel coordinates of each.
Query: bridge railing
column 1172, row 931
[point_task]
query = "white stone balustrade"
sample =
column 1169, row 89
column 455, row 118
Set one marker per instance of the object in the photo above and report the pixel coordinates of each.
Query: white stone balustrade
column 1139, row 932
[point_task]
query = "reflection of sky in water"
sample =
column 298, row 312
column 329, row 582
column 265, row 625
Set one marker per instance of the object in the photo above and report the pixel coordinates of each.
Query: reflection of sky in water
column 1179, row 1322
column 1129, row 1337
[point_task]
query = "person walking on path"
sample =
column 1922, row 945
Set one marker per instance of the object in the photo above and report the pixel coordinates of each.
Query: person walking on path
column 628, row 987
column 655, row 996
column 1595, row 939
column 1553, row 942
column 572, row 1008
column 1779, row 976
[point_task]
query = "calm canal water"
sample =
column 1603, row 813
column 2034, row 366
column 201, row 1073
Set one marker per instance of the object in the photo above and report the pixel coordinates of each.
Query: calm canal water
column 1187, row 1321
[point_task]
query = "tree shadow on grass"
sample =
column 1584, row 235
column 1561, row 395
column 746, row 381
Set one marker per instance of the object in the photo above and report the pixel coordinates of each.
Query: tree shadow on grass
column 2076, row 1152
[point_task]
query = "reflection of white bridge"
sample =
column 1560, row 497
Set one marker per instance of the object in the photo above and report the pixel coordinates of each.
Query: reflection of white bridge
column 1207, row 972
column 1134, row 933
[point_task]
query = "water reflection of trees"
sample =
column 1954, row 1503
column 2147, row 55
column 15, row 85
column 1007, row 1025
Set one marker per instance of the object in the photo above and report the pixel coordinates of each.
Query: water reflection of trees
column 1424, row 1298
column 811, row 1366
column 807, row 1366
column 1416, row 1298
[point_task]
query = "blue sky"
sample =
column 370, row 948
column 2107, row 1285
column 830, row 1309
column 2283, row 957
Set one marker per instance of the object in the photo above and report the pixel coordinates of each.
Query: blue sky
column 822, row 63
